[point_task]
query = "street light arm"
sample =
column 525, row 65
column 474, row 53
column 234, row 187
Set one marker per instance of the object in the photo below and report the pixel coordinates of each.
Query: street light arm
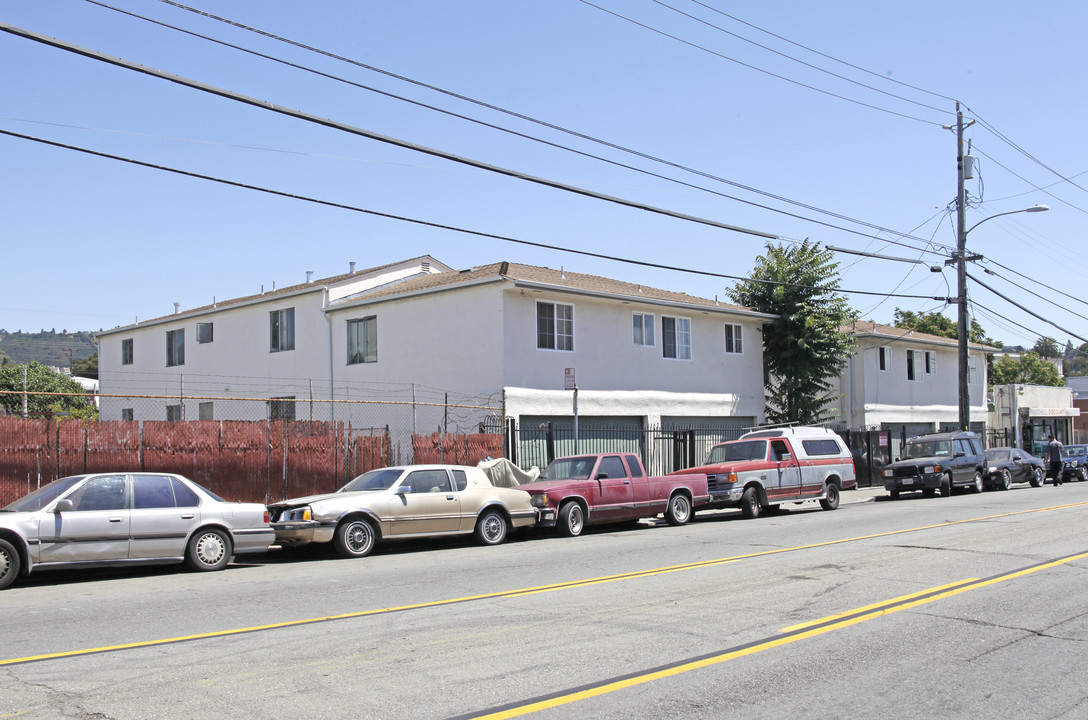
column 1033, row 208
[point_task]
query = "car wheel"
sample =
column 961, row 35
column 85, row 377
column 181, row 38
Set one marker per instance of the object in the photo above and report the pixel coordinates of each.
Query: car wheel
column 831, row 499
column 572, row 519
column 979, row 485
column 1037, row 477
column 9, row 564
column 946, row 486
column 749, row 503
column 1006, row 480
column 1080, row 475
column 354, row 538
column 679, row 510
column 209, row 549
column 491, row 528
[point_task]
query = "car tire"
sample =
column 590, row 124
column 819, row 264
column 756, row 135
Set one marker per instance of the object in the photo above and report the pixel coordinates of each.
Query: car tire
column 749, row 503
column 491, row 528
column 1080, row 475
column 209, row 549
column 979, row 484
column 354, row 538
column 830, row 501
column 678, row 511
column 1006, row 480
column 1037, row 477
column 946, row 486
column 10, row 564
column 572, row 519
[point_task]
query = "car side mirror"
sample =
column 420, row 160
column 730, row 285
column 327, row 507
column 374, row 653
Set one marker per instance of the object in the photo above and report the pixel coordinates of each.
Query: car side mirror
column 786, row 457
column 403, row 490
column 64, row 505
column 602, row 476
column 961, row 454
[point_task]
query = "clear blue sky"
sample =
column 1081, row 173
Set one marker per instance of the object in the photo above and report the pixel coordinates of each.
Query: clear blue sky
column 91, row 243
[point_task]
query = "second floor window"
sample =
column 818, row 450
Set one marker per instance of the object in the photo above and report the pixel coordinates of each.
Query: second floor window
column 732, row 339
column 281, row 330
column 914, row 364
column 554, row 326
column 204, row 332
column 931, row 362
column 363, row 340
column 884, row 358
column 676, row 338
column 644, row 330
column 126, row 351
column 175, row 347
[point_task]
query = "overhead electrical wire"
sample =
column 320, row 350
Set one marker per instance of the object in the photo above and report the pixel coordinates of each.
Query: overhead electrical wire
column 1029, row 182
column 1021, row 307
column 757, row 69
column 427, row 223
column 519, row 116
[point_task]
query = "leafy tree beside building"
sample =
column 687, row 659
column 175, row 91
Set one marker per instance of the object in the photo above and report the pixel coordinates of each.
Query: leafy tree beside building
column 65, row 397
column 804, row 348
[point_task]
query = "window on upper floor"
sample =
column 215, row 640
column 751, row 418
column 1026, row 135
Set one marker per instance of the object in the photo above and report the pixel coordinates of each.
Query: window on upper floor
column 972, row 371
column 884, row 358
column 554, row 326
column 126, row 351
column 175, row 347
column 914, row 365
column 363, row 340
column 732, row 339
column 204, row 332
column 931, row 362
column 676, row 338
column 281, row 330
column 643, row 329
column 127, row 414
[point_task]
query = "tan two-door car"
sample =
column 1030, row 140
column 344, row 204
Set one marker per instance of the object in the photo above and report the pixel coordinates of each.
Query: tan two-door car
column 403, row 502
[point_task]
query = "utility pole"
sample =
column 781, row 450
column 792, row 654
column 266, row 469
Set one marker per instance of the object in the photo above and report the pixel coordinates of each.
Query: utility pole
column 961, row 277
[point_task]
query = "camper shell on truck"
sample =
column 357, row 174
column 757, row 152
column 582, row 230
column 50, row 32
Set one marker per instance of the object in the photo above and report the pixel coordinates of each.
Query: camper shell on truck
column 763, row 469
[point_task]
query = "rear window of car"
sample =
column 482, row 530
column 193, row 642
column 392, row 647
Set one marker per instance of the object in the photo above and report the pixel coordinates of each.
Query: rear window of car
column 820, row 447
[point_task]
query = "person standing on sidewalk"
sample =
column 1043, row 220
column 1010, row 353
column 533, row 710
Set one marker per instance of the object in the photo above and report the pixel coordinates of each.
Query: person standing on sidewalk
column 1054, row 457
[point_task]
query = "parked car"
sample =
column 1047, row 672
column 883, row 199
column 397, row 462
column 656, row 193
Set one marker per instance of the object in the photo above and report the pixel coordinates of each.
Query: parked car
column 938, row 461
column 126, row 518
column 599, row 488
column 1006, row 465
column 403, row 502
column 764, row 469
column 1074, row 462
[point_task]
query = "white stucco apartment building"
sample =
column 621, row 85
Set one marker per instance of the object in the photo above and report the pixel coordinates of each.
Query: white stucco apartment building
column 907, row 382
column 505, row 332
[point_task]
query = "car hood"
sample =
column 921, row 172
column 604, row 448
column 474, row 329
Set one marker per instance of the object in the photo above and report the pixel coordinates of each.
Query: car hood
column 545, row 485
column 934, row 460
column 727, row 467
column 311, row 499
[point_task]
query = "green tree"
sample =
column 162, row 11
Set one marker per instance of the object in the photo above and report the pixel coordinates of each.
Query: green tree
column 804, row 347
column 40, row 379
column 1046, row 347
column 934, row 323
column 1029, row 368
column 87, row 368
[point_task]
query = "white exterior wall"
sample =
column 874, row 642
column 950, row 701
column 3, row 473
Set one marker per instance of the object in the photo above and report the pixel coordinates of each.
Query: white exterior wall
column 870, row 397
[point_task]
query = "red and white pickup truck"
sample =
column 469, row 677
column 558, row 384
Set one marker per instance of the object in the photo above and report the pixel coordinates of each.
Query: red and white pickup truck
column 764, row 469
column 606, row 488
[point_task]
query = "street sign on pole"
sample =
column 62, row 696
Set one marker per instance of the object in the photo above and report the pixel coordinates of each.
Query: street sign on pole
column 568, row 379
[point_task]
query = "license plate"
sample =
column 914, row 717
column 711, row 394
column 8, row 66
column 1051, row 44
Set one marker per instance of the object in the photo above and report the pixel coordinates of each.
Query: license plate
column 908, row 481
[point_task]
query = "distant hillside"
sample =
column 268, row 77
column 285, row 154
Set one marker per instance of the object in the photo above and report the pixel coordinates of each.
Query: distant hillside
column 49, row 347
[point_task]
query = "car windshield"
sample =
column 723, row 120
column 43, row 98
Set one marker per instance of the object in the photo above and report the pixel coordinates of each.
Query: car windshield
column 1074, row 451
column 997, row 455
column 927, row 448
column 381, row 479
column 571, row 468
column 43, row 495
column 734, row 451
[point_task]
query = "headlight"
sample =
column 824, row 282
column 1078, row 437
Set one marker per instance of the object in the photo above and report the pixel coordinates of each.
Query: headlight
column 301, row 514
column 888, row 472
column 991, row 471
column 931, row 469
column 540, row 501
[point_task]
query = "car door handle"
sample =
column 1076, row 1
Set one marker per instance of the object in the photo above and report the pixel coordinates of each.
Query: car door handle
column 626, row 482
column 115, row 519
column 188, row 516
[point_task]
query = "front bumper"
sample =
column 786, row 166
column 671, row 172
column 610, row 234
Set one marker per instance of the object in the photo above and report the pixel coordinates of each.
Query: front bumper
column 302, row 532
column 726, row 496
column 907, row 483
column 545, row 517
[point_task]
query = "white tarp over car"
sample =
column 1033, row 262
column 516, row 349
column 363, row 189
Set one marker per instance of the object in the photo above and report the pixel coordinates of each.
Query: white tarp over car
column 503, row 473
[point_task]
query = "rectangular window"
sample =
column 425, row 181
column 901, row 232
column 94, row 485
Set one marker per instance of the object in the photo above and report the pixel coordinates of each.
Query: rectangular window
column 281, row 330
column 363, row 340
column 175, row 347
column 931, row 362
column 884, row 358
column 282, row 408
column 914, row 364
column 127, row 414
column 173, row 413
column 676, row 338
column 732, row 339
column 126, row 351
column 644, row 330
column 205, row 411
column 554, row 326
column 972, row 372
column 204, row 332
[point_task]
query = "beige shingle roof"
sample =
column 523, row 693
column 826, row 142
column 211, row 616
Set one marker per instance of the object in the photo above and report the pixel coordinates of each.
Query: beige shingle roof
column 866, row 327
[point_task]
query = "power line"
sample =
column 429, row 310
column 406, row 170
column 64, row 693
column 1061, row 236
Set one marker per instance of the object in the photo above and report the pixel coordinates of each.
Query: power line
column 520, row 116
column 757, row 69
column 1021, row 307
column 426, row 223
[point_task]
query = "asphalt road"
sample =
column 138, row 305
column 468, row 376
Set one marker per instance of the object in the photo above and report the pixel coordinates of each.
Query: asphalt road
column 972, row 606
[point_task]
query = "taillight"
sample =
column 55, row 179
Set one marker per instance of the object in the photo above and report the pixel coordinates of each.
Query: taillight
column 267, row 517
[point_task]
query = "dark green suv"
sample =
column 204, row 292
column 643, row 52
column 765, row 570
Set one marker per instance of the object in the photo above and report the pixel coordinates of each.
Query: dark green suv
column 941, row 461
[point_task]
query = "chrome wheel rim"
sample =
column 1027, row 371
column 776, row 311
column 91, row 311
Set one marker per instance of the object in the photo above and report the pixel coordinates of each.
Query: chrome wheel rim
column 575, row 521
column 210, row 548
column 358, row 537
column 493, row 528
column 680, row 508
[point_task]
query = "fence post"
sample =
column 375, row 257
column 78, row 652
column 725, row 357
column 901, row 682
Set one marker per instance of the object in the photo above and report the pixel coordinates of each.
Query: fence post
column 549, row 442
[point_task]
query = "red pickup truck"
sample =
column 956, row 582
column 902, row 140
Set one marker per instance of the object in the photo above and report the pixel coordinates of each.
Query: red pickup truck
column 606, row 488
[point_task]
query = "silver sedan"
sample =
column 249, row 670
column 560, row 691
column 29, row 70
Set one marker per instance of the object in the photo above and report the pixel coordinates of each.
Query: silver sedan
column 126, row 518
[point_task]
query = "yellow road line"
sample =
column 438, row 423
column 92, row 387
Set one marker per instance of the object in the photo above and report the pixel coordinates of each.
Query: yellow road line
column 507, row 593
